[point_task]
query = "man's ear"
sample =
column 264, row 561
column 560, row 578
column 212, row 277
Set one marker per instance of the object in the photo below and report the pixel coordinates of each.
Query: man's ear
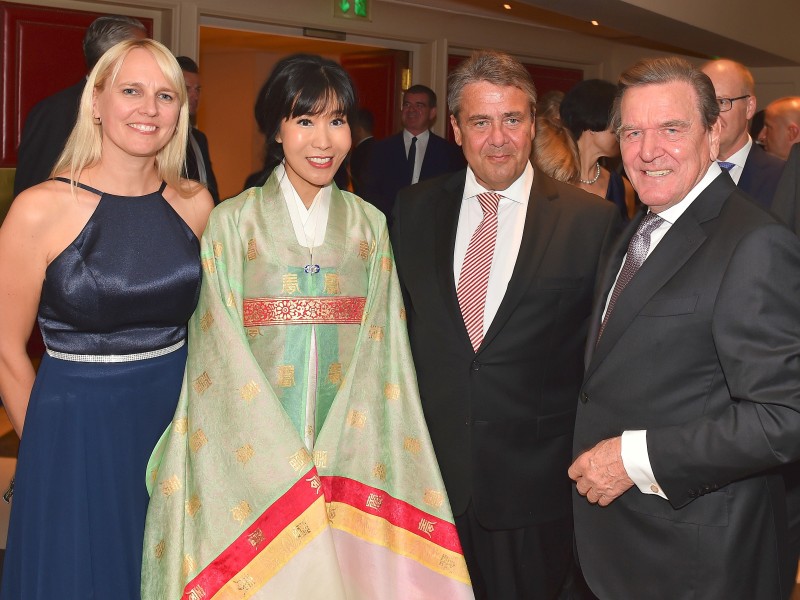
column 456, row 129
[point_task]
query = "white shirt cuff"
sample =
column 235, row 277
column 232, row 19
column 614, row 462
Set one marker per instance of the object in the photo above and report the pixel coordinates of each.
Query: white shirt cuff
column 637, row 462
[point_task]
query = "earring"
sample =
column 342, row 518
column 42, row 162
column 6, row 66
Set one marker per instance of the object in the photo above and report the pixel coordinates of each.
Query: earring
column 97, row 120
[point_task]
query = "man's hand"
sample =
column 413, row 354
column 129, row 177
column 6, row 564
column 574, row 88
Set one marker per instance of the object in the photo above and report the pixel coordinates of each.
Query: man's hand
column 600, row 474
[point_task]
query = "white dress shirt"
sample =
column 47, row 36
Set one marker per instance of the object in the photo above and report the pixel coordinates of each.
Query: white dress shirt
column 511, row 213
column 738, row 159
column 635, row 457
column 422, row 145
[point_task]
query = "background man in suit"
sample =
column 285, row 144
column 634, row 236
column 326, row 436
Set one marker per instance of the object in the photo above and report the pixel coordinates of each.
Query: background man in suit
column 50, row 121
column 781, row 128
column 499, row 355
column 415, row 154
column 692, row 389
column 362, row 150
column 754, row 171
column 786, row 204
column 198, row 159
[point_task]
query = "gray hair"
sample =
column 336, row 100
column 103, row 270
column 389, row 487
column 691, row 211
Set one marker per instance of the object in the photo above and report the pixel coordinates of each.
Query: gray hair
column 659, row 71
column 497, row 68
column 108, row 31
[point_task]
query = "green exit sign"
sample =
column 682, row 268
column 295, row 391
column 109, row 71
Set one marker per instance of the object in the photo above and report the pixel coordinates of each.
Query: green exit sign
column 351, row 9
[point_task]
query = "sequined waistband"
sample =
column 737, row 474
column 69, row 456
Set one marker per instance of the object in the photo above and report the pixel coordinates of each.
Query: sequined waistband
column 116, row 358
column 304, row 310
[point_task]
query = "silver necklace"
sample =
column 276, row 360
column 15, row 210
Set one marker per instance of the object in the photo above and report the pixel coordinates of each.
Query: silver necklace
column 596, row 175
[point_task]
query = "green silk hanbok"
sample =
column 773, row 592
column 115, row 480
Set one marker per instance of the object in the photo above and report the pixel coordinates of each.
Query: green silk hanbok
column 257, row 494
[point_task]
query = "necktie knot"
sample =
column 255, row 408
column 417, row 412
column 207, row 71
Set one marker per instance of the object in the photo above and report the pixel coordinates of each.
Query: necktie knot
column 649, row 224
column 725, row 166
column 489, row 202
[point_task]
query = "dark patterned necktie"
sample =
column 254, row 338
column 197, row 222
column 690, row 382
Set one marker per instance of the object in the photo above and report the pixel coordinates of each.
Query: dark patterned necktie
column 637, row 252
column 412, row 156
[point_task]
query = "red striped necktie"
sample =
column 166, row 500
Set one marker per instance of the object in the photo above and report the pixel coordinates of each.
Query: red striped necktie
column 474, row 278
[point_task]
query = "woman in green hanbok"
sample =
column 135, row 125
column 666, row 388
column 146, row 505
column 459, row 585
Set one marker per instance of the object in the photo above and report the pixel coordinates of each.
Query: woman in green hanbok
column 298, row 464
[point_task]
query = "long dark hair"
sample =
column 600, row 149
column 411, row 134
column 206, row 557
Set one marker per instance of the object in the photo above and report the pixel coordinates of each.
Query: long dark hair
column 300, row 84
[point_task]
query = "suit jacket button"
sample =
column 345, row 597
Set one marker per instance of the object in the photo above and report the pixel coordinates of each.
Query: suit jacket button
column 475, row 366
column 692, row 493
column 584, row 397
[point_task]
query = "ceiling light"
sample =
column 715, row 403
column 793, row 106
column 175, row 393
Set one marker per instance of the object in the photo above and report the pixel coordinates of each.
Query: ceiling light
column 595, row 23
column 507, row 6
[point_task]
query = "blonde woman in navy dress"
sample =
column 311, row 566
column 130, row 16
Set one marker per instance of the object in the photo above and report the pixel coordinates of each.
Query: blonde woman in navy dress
column 107, row 255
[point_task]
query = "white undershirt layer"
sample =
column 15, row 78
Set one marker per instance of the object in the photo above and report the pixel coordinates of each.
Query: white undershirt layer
column 419, row 155
column 635, row 457
column 310, row 225
column 511, row 214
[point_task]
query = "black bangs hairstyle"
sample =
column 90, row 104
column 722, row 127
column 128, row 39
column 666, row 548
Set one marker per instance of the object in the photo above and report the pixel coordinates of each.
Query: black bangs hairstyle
column 587, row 106
column 301, row 84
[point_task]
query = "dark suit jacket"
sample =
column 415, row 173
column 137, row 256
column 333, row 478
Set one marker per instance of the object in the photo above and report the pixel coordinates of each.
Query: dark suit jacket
column 501, row 419
column 702, row 351
column 786, row 204
column 192, row 171
column 44, row 136
column 359, row 166
column 760, row 175
column 388, row 168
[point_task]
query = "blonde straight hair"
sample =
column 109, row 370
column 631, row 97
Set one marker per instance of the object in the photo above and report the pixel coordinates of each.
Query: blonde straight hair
column 84, row 146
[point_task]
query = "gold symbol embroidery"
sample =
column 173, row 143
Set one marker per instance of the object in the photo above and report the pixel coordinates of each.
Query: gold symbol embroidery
column 331, row 512
column 335, row 373
column 300, row 530
column 290, row 284
column 245, row 583
column 202, row 383
column 252, row 332
column 154, row 476
column 299, row 459
column 209, row 266
column 189, row 566
column 315, row 482
column 229, row 300
column 433, row 498
column 391, row 391
column 198, row 440
column 181, row 425
column 363, row 249
column 356, row 418
column 447, row 563
column 159, row 549
column 426, row 526
column 241, row 511
column 252, row 249
column 286, row 376
column 379, row 471
column 386, row 264
column 332, row 283
column 217, row 248
column 206, row 321
column 244, row 454
column 321, row 458
column 412, row 445
column 197, row 592
column 309, row 431
column 193, row 505
column 170, row 486
column 250, row 390
column 402, row 314
column 374, row 501
column 256, row 538
column 376, row 332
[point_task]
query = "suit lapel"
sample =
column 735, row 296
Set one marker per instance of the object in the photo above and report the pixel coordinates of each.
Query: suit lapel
column 679, row 244
column 446, row 224
column 541, row 219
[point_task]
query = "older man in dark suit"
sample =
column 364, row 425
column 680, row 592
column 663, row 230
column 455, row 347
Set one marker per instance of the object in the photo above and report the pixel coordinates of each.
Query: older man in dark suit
column 752, row 169
column 415, row 154
column 498, row 264
column 692, row 387
column 50, row 122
